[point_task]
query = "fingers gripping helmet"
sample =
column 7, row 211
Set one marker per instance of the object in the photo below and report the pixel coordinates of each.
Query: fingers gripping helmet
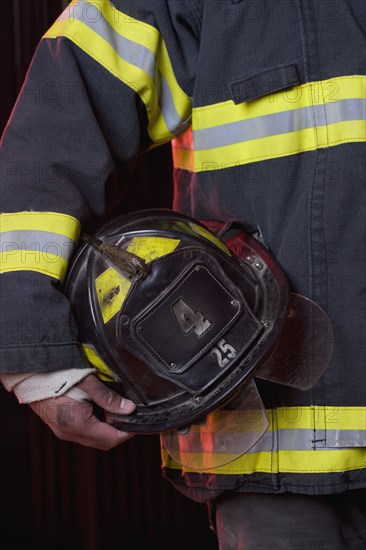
column 171, row 316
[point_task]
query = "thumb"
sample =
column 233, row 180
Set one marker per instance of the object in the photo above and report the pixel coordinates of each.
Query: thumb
column 105, row 397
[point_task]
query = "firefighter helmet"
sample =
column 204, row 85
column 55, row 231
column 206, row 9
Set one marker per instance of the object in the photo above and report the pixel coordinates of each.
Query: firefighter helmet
column 171, row 317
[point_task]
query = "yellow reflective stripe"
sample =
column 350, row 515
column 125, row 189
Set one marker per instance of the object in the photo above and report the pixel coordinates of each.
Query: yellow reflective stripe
column 135, row 53
column 259, row 462
column 111, row 289
column 298, row 97
column 103, row 371
column 296, row 462
column 37, row 241
column 305, row 118
column 209, row 236
column 133, row 77
column 150, row 248
column 239, row 154
column 294, row 428
column 53, row 222
column 344, row 132
column 268, row 148
column 320, row 461
column 256, row 150
column 318, row 418
column 34, row 260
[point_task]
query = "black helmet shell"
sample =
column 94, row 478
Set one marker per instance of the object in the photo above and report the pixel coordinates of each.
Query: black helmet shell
column 171, row 317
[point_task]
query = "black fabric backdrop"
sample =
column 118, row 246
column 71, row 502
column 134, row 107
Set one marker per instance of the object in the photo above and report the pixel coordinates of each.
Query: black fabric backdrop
column 54, row 494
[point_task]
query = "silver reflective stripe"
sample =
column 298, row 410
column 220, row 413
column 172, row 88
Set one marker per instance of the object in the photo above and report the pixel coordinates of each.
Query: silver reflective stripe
column 173, row 121
column 345, row 438
column 285, row 440
column 282, row 440
column 43, row 241
column 279, row 123
column 346, row 109
column 303, row 440
column 135, row 54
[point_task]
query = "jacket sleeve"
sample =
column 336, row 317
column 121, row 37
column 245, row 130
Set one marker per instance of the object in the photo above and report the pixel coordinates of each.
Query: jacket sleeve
column 107, row 82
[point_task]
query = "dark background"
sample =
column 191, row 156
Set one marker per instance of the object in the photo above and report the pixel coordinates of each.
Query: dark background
column 57, row 495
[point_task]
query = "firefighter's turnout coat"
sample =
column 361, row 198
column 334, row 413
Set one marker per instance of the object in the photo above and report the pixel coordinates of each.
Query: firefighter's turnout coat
column 264, row 105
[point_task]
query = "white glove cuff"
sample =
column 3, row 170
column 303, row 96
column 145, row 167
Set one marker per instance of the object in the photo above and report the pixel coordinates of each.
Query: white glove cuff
column 30, row 387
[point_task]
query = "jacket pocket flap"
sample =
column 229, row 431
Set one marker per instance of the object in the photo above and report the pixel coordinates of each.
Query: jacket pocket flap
column 264, row 83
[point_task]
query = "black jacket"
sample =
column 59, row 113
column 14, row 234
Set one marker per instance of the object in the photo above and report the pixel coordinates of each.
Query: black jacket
column 265, row 104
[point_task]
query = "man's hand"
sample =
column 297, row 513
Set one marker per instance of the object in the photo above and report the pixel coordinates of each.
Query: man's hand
column 72, row 420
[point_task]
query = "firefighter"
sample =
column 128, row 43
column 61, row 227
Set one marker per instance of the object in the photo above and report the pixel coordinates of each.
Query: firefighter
column 264, row 104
